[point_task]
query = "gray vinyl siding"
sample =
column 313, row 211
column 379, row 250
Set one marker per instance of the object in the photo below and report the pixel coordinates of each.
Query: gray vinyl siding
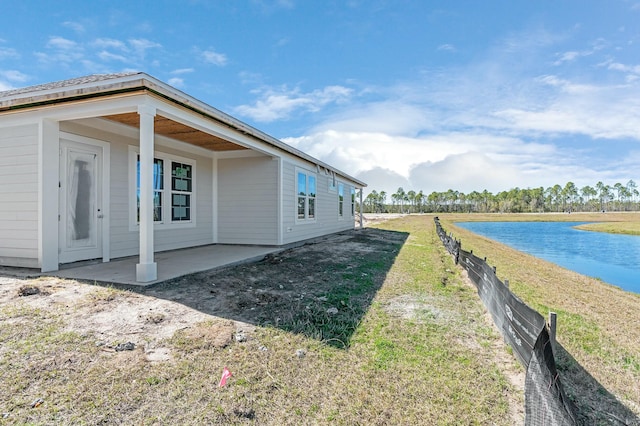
column 248, row 201
column 19, row 196
column 327, row 218
column 123, row 240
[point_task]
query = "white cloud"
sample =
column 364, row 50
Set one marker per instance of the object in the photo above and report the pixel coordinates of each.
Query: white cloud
column 447, row 47
column 8, row 77
column 483, row 127
column 182, row 71
column 281, row 103
column 247, row 77
column 8, row 53
column 176, row 82
column 429, row 163
column 75, row 26
column 13, row 75
column 466, row 172
column 607, row 112
column 109, row 43
column 141, row 45
column 107, row 56
column 215, row 58
column 61, row 52
column 567, row 57
column 61, row 43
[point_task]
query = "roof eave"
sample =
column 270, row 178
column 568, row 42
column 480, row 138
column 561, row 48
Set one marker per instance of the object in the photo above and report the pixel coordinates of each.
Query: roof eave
column 142, row 80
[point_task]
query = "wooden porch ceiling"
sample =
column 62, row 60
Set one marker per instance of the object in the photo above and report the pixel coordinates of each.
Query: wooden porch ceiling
column 172, row 129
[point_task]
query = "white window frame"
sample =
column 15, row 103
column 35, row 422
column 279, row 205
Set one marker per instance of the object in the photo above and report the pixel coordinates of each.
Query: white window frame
column 340, row 192
column 353, row 201
column 307, row 197
column 167, row 192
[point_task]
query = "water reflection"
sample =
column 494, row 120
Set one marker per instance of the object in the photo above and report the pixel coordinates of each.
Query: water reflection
column 610, row 257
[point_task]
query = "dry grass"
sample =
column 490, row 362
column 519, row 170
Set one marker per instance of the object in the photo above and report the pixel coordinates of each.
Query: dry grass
column 598, row 324
column 628, row 228
column 420, row 351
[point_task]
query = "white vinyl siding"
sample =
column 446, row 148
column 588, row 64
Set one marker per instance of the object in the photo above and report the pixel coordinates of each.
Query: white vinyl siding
column 248, row 201
column 19, row 196
column 124, row 241
column 341, row 200
column 326, row 221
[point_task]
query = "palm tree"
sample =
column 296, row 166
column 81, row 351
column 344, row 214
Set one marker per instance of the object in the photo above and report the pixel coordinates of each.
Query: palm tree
column 411, row 196
column 400, row 197
column 604, row 194
column 570, row 193
column 554, row 195
column 382, row 201
column 620, row 193
column 589, row 193
column 487, row 197
column 394, row 199
column 420, row 201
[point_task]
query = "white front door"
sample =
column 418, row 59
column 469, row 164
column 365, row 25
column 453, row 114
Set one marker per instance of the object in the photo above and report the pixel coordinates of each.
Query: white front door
column 80, row 227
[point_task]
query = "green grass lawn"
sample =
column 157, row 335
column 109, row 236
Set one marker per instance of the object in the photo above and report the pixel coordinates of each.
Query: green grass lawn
column 421, row 350
column 598, row 324
column 628, row 228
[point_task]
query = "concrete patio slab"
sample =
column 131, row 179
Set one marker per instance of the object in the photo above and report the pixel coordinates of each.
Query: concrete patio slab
column 171, row 264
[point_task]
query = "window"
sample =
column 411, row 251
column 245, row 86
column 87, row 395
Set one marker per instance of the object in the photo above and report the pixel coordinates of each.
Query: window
column 341, row 199
column 173, row 189
column 306, row 190
column 158, row 188
column 181, row 185
column 353, row 202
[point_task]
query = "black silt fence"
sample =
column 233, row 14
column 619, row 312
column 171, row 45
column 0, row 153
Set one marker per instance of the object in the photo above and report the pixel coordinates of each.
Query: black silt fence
column 525, row 330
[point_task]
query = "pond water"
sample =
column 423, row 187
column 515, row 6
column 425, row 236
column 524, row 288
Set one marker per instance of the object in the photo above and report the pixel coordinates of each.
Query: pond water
column 613, row 258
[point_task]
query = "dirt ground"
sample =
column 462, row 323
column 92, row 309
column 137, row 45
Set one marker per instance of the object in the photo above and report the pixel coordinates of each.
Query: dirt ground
column 246, row 295
column 307, row 279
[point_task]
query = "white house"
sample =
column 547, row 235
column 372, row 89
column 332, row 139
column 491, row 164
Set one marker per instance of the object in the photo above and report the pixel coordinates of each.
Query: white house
column 108, row 166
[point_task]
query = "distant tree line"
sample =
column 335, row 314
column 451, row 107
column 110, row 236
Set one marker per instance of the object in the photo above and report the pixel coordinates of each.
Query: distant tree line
column 567, row 198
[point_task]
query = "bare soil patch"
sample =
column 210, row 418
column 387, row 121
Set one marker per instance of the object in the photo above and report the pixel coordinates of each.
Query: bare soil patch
column 153, row 355
column 301, row 280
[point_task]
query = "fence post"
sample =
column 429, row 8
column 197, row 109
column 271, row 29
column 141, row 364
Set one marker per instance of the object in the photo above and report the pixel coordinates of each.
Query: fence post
column 553, row 321
column 506, row 283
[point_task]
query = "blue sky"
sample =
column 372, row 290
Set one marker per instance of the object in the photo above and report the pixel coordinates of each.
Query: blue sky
column 427, row 95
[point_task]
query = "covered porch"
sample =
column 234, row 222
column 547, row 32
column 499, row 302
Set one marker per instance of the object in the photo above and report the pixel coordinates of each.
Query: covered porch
column 171, row 264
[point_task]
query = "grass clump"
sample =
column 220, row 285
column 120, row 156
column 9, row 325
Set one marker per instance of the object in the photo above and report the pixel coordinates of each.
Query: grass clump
column 627, row 228
column 597, row 322
column 408, row 342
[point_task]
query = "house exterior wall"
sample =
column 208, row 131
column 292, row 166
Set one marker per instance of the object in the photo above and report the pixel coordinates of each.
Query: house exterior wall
column 328, row 220
column 19, row 196
column 248, row 200
column 123, row 234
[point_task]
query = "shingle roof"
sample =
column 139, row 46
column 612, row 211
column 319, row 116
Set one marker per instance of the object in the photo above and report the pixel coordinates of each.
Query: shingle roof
column 103, row 84
column 66, row 83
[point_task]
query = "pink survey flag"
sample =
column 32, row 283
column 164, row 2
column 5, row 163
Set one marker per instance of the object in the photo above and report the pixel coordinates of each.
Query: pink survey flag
column 225, row 376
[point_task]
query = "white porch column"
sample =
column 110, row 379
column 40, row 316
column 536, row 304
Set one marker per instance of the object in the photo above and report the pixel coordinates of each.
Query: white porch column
column 361, row 209
column 146, row 269
column 48, row 193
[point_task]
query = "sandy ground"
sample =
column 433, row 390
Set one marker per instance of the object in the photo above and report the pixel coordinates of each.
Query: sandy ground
column 245, row 296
